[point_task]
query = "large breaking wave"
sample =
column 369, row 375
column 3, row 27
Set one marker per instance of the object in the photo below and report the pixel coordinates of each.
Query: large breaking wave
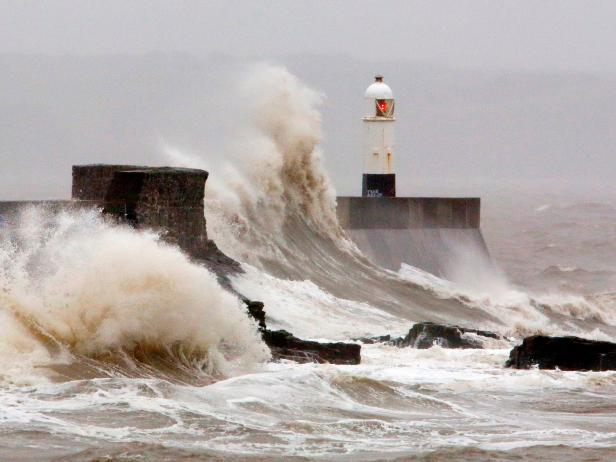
column 272, row 205
column 74, row 288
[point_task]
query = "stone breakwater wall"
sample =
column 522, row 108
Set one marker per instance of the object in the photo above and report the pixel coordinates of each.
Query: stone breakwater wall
column 165, row 199
column 409, row 212
column 432, row 233
column 169, row 200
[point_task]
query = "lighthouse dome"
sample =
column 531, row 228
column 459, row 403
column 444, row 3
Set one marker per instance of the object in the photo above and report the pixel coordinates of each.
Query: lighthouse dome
column 379, row 89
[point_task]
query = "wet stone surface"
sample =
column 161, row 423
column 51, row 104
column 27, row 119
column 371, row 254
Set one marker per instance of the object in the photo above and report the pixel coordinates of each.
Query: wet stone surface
column 564, row 353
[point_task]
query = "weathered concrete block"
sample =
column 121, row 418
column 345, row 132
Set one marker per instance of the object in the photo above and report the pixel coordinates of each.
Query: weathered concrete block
column 91, row 182
column 161, row 198
column 408, row 212
column 426, row 232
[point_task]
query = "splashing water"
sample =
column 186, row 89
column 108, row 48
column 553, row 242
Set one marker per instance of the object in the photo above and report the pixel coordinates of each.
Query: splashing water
column 86, row 287
column 276, row 171
column 274, row 208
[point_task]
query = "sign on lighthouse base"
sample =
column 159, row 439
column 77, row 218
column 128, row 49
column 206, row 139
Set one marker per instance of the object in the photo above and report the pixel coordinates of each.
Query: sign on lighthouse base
column 378, row 185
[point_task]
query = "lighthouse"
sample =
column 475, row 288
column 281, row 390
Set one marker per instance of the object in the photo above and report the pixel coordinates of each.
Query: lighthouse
column 424, row 232
column 379, row 179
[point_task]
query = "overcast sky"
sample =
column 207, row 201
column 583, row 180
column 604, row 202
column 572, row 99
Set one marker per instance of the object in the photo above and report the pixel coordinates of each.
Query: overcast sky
column 488, row 92
column 546, row 35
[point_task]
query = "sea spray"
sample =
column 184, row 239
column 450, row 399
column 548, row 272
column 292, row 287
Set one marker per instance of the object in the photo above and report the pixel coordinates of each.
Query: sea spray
column 520, row 312
column 274, row 171
column 271, row 205
column 70, row 283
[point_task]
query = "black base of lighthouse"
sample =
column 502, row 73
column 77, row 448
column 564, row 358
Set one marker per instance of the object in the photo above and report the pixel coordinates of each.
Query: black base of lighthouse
column 379, row 185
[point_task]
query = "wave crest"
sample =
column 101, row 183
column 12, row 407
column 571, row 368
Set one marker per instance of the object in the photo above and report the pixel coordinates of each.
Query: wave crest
column 90, row 288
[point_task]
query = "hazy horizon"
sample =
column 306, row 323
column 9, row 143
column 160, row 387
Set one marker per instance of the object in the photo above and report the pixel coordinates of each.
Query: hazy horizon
column 547, row 35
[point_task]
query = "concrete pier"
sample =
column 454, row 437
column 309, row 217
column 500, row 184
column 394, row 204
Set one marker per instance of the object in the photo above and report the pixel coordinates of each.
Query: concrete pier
column 165, row 199
column 430, row 233
column 408, row 212
column 160, row 198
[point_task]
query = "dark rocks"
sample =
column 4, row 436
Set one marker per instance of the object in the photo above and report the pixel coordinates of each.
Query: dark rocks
column 378, row 339
column 426, row 334
column 256, row 311
column 564, row 353
column 218, row 263
column 285, row 345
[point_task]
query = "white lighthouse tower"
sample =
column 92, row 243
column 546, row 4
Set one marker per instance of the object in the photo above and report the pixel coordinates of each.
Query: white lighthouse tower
column 379, row 179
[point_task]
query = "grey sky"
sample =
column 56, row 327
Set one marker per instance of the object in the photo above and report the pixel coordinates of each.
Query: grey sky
column 489, row 93
column 488, row 34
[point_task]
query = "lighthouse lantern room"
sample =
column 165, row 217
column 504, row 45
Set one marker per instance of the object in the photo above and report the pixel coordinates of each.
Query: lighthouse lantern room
column 379, row 179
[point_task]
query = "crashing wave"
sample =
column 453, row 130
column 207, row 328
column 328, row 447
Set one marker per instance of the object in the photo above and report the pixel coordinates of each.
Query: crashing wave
column 73, row 285
column 272, row 206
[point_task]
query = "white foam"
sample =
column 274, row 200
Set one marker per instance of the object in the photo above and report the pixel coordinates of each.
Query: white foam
column 92, row 287
column 520, row 312
column 308, row 311
column 397, row 400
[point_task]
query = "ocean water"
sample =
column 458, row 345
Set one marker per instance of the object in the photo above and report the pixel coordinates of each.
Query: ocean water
column 114, row 346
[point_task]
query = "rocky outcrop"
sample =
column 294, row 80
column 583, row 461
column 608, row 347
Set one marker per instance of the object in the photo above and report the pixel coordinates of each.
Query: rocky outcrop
column 564, row 353
column 427, row 334
column 285, row 345
column 378, row 339
column 218, row 263
column 256, row 311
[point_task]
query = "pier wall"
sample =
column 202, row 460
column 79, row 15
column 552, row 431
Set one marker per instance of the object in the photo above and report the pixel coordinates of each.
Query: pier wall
column 409, row 212
column 159, row 198
column 435, row 234
column 165, row 199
